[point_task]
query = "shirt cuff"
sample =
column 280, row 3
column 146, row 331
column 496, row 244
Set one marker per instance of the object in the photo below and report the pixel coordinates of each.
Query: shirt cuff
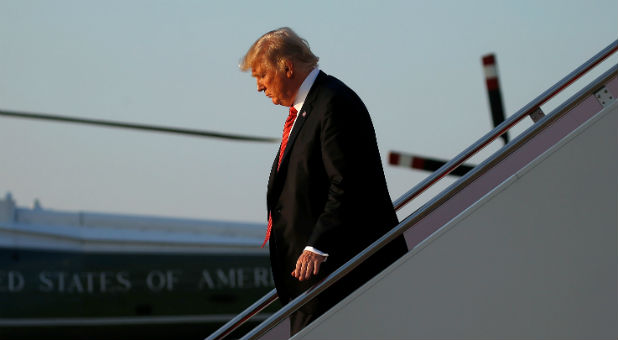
column 313, row 250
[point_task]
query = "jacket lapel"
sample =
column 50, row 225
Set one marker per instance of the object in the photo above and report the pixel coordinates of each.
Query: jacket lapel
column 303, row 114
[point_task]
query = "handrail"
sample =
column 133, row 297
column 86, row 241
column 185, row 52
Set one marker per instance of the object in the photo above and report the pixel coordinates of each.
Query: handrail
column 305, row 297
column 245, row 315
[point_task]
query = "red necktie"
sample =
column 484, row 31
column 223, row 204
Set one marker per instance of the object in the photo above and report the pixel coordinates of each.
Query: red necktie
column 289, row 122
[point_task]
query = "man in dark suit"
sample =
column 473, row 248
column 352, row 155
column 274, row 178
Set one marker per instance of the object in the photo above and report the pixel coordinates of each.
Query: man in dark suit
column 327, row 198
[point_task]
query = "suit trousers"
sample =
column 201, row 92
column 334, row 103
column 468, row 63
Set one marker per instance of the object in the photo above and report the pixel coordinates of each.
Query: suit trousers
column 299, row 319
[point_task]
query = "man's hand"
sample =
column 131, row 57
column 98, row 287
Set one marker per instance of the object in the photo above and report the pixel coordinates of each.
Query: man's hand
column 308, row 264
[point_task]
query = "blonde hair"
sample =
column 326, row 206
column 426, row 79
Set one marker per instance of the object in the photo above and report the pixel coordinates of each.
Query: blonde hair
column 273, row 48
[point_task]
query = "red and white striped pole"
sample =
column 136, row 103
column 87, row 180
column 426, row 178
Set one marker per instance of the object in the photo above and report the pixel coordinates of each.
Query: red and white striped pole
column 493, row 90
column 423, row 163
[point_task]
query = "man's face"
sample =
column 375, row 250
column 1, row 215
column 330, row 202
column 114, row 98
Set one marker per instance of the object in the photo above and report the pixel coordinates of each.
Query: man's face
column 277, row 86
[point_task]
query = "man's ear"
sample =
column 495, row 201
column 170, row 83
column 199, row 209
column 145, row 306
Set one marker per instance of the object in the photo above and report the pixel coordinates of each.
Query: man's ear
column 289, row 69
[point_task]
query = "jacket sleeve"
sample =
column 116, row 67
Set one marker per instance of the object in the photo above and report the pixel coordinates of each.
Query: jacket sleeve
column 346, row 139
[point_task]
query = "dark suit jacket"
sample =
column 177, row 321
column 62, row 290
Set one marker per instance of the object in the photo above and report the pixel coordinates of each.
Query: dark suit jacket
column 329, row 193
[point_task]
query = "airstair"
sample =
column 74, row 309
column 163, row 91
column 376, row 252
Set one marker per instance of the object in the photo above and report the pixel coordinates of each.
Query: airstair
column 522, row 246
